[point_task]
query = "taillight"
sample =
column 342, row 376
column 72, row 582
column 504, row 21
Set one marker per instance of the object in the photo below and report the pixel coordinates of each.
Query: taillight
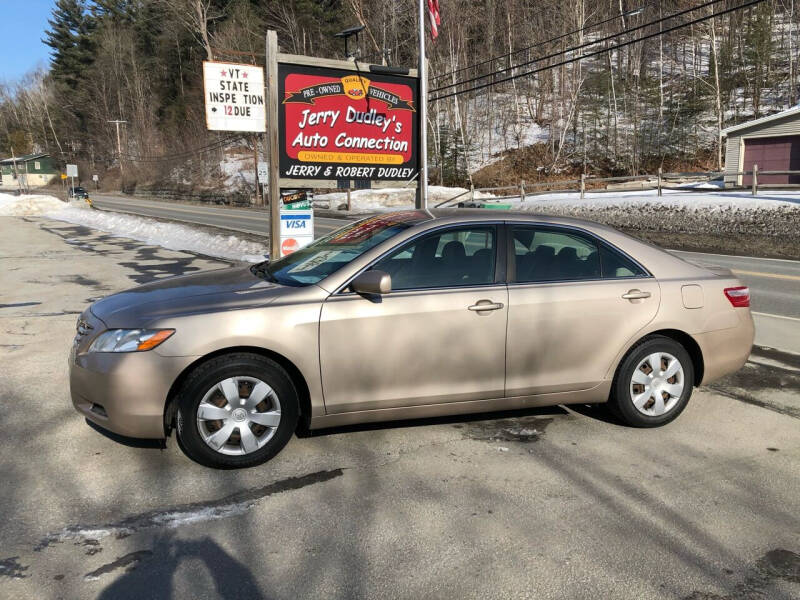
column 739, row 296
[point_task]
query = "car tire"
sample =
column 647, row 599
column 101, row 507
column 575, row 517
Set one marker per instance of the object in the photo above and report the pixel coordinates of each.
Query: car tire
column 653, row 383
column 235, row 411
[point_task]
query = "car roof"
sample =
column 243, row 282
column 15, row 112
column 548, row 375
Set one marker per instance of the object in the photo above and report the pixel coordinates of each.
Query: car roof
column 442, row 216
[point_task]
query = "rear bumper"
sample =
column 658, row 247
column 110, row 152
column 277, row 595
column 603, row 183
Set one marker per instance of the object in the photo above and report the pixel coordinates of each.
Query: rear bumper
column 125, row 393
column 726, row 350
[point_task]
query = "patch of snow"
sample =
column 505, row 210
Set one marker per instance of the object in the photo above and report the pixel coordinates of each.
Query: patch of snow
column 702, row 185
column 28, row 205
column 173, row 236
column 238, row 170
column 389, row 199
column 675, row 199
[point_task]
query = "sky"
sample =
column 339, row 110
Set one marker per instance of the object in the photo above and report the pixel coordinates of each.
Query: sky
column 22, row 25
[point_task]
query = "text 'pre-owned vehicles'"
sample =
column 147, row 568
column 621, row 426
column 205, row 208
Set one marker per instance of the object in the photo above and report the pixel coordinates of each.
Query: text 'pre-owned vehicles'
column 408, row 314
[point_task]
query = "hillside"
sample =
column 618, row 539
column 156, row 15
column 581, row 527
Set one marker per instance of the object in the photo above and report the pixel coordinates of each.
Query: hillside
column 519, row 90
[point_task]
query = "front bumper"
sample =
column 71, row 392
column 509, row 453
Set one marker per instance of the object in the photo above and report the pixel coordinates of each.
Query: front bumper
column 125, row 392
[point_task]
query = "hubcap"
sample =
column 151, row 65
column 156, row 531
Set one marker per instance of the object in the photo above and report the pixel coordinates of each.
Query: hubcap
column 657, row 384
column 238, row 415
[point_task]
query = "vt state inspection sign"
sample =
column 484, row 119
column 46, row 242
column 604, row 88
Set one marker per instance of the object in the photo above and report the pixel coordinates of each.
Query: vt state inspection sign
column 234, row 97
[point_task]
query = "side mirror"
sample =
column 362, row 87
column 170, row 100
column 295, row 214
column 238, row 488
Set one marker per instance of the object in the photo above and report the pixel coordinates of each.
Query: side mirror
column 372, row 282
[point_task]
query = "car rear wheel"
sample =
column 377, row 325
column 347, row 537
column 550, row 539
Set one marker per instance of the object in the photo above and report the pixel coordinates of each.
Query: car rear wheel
column 236, row 410
column 653, row 383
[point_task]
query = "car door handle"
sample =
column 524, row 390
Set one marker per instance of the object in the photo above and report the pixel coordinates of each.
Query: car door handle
column 482, row 305
column 635, row 295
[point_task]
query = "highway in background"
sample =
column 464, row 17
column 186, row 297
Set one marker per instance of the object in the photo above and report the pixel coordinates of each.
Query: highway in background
column 239, row 219
column 774, row 283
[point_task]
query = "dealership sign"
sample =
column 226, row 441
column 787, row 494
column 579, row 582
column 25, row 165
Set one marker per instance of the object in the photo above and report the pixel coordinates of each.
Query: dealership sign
column 234, row 95
column 340, row 124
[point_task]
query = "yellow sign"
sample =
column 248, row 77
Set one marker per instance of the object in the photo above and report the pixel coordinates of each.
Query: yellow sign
column 63, row 176
column 350, row 157
column 355, row 86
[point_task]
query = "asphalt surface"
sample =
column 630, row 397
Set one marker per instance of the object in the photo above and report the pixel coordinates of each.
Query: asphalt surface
column 545, row 503
column 239, row 219
column 774, row 283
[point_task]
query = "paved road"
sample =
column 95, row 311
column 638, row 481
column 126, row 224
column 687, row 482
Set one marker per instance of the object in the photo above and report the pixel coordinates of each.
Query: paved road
column 546, row 503
column 238, row 219
column 774, row 283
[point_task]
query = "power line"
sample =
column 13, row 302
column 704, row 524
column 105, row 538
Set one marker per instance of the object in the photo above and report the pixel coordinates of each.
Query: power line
column 590, row 54
column 185, row 154
column 581, row 46
column 629, row 13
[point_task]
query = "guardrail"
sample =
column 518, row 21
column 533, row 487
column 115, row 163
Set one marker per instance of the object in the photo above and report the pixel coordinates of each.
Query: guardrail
column 657, row 181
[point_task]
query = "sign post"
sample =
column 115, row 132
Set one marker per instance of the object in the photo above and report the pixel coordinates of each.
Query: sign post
column 274, row 189
column 72, row 173
column 262, row 173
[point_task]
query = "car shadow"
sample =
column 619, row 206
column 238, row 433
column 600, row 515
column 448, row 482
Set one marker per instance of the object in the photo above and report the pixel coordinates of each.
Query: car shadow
column 599, row 412
column 443, row 420
column 161, row 444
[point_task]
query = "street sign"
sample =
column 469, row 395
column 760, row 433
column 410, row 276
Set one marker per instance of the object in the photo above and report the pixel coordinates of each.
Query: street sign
column 63, row 176
column 234, row 96
column 72, row 170
column 95, row 178
column 297, row 226
column 263, row 172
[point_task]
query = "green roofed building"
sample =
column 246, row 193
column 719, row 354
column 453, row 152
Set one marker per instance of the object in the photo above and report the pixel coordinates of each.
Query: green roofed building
column 28, row 171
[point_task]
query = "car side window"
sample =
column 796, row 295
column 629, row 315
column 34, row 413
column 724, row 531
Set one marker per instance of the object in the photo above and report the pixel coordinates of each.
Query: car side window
column 463, row 256
column 615, row 265
column 545, row 254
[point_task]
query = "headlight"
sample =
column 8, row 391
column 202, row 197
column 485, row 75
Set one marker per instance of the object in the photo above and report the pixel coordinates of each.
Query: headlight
column 129, row 340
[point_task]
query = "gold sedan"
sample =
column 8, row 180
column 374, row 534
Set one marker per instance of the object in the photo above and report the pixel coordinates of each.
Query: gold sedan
column 409, row 314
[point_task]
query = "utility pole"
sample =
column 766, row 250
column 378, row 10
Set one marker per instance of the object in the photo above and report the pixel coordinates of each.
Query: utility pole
column 422, row 189
column 16, row 174
column 118, row 122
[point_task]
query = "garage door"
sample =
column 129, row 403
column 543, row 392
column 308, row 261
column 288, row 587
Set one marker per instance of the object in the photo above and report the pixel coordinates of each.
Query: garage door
column 772, row 154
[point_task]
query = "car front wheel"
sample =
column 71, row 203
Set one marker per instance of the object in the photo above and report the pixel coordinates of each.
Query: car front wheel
column 236, row 410
column 653, row 383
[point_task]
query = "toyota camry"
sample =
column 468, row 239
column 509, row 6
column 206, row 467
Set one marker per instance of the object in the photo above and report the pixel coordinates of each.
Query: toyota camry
column 403, row 315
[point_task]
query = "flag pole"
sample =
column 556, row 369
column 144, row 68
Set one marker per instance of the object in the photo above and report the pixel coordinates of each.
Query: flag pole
column 422, row 194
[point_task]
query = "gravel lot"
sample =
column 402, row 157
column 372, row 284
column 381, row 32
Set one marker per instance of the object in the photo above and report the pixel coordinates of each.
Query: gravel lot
column 548, row 503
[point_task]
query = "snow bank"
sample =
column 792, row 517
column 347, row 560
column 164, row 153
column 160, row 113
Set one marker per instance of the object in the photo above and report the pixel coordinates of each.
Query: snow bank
column 388, row 199
column 167, row 235
column 26, row 206
column 672, row 199
column 144, row 229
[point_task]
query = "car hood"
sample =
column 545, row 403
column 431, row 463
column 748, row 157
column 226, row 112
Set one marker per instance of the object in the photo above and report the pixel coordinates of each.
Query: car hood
column 208, row 291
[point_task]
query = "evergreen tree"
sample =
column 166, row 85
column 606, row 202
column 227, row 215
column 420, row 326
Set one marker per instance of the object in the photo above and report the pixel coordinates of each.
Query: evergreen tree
column 69, row 36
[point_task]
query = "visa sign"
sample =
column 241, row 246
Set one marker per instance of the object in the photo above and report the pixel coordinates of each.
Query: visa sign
column 297, row 229
column 296, row 224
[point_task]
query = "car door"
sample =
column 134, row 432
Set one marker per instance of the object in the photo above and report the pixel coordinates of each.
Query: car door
column 439, row 336
column 574, row 302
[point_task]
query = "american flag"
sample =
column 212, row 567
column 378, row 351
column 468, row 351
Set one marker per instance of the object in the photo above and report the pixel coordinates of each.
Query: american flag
column 433, row 10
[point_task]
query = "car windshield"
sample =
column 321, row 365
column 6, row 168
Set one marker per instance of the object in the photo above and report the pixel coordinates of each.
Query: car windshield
column 325, row 256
